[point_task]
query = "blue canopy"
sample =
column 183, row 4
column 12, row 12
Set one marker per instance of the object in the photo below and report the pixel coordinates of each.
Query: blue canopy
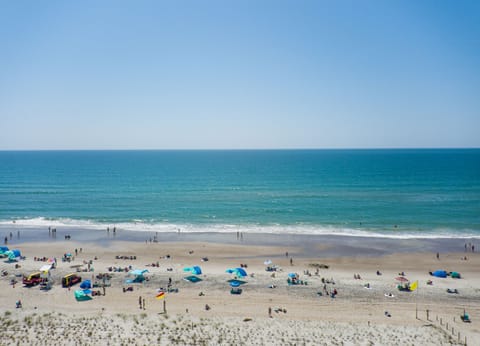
column 292, row 275
column 3, row 249
column 194, row 270
column 237, row 271
column 86, row 284
column 440, row 273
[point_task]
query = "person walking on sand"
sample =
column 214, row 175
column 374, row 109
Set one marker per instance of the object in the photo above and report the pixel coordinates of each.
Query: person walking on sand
column 269, row 311
column 140, row 301
column 438, row 255
column 143, row 301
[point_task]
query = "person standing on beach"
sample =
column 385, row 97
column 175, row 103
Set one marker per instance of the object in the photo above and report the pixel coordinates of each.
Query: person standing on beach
column 143, row 301
column 269, row 311
column 140, row 301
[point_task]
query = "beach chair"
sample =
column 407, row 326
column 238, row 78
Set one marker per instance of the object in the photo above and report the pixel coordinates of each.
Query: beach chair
column 236, row 291
column 465, row 318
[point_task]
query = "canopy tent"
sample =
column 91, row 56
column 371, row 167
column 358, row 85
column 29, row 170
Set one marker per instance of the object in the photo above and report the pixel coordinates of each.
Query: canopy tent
column 196, row 270
column 192, row 278
column 86, row 284
column 45, row 271
column 45, row 267
column 138, row 276
column 3, row 249
column 82, row 295
column 240, row 272
column 440, row 273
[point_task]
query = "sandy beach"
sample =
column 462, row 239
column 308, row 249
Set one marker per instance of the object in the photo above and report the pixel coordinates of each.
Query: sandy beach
column 269, row 311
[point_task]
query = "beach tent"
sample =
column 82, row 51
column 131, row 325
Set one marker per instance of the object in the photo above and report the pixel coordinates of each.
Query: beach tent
column 267, row 262
column 192, row 278
column 455, row 275
column 86, row 284
column 440, row 273
column 82, row 295
column 3, row 249
column 12, row 255
column 196, row 270
column 240, row 272
column 138, row 276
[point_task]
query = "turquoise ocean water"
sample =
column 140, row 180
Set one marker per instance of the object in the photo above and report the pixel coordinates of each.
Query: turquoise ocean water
column 392, row 193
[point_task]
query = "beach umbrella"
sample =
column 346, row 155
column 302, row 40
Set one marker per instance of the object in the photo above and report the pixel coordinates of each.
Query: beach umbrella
column 236, row 283
column 138, row 276
column 138, row 271
column 267, row 262
column 237, row 271
column 402, row 279
column 196, row 270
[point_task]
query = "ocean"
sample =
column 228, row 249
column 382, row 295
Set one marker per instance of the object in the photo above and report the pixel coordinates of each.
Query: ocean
column 411, row 193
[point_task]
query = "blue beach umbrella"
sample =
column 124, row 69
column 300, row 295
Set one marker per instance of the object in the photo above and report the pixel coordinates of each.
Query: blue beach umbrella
column 236, row 283
column 237, row 271
column 196, row 270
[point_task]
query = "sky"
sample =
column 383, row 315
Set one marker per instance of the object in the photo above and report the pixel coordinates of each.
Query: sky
column 244, row 74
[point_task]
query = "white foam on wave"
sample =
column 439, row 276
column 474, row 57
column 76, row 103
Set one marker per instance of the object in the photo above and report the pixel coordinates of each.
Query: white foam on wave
column 163, row 227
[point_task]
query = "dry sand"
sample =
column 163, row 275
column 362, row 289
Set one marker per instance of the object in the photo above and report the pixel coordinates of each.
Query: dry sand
column 356, row 316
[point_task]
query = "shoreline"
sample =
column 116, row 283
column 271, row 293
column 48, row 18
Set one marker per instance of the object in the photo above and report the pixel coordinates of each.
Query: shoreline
column 308, row 245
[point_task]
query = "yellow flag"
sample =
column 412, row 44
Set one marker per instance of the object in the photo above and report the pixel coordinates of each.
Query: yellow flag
column 414, row 286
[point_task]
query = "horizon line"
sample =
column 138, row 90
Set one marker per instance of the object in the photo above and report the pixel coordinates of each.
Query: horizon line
column 248, row 149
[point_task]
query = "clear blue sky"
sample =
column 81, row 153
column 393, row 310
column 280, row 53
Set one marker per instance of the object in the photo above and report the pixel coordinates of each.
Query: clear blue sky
column 239, row 74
